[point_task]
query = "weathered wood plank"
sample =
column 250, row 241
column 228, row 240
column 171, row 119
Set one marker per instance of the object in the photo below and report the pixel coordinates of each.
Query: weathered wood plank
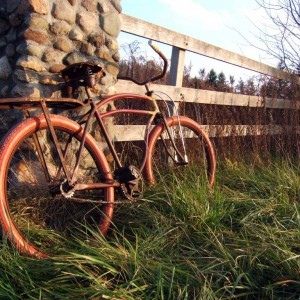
column 125, row 133
column 177, row 67
column 167, row 36
column 180, row 43
column 207, row 97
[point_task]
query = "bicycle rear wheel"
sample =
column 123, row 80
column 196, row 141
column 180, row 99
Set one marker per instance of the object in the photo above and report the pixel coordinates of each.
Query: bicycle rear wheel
column 193, row 144
column 34, row 208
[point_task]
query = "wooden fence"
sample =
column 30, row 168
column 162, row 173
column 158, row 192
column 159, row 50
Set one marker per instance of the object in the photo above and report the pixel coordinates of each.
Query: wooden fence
column 180, row 44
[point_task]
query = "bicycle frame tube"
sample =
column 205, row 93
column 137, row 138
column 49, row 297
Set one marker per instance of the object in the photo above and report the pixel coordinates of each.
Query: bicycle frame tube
column 95, row 112
column 153, row 114
column 100, row 117
column 85, row 131
column 39, row 150
column 107, row 139
column 87, row 119
column 54, row 137
column 70, row 178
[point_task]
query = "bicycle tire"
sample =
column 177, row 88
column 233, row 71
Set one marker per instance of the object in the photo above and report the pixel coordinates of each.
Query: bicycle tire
column 200, row 151
column 31, row 215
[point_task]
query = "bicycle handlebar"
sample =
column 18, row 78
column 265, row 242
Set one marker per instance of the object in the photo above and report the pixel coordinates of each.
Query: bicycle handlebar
column 164, row 71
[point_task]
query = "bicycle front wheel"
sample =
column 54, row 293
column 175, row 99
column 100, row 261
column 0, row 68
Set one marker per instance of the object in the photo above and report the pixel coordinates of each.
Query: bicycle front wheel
column 34, row 207
column 191, row 142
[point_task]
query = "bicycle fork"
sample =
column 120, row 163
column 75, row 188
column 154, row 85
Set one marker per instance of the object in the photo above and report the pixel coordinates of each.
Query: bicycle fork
column 177, row 157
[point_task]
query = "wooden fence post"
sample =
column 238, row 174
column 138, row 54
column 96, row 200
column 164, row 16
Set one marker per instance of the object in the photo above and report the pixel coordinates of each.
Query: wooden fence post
column 177, row 67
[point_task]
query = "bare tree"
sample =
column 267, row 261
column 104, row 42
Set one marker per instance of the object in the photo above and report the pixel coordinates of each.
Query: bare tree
column 281, row 36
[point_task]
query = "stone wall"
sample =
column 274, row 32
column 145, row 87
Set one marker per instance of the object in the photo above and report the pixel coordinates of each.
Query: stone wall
column 37, row 37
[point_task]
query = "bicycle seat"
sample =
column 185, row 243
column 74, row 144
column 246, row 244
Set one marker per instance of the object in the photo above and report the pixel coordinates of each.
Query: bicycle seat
column 82, row 74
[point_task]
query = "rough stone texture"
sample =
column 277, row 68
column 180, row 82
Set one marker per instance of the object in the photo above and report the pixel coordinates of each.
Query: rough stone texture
column 39, row 6
column 112, row 44
column 36, row 34
column 50, row 80
column 23, row 7
column 31, row 48
column 90, row 5
column 64, row 44
column 104, row 54
column 10, row 50
column 76, row 34
column 12, row 5
column 111, row 23
column 72, row 2
column 63, row 11
column 4, row 26
column 88, row 22
column 11, row 36
column 87, row 48
column 117, row 5
column 104, row 6
column 112, row 68
column 52, row 56
column 116, row 57
column 37, row 21
column 38, row 38
column 4, row 91
column 97, row 39
column 27, row 76
column 23, row 90
column 75, row 57
column 5, row 68
column 32, row 63
column 15, row 19
column 56, row 68
column 60, row 28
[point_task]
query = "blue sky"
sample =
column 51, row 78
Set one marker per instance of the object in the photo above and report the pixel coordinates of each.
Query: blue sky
column 223, row 23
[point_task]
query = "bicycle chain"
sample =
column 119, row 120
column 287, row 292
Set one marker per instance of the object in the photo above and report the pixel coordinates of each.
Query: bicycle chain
column 132, row 191
column 80, row 200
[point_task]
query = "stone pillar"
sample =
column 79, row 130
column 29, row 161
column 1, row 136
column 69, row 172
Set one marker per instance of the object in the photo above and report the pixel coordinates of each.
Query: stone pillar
column 37, row 37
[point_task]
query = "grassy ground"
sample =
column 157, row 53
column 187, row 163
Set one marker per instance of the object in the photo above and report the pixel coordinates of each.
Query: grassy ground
column 239, row 240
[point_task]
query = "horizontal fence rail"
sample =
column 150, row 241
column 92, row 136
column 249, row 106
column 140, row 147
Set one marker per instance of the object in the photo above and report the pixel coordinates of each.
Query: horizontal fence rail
column 181, row 43
column 207, row 96
column 127, row 133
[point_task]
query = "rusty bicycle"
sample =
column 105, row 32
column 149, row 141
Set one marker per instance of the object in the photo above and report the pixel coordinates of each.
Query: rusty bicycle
column 55, row 175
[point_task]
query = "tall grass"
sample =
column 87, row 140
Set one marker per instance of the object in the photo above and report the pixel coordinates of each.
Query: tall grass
column 239, row 240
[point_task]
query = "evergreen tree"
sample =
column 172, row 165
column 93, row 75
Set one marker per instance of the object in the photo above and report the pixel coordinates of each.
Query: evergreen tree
column 250, row 89
column 212, row 78
column 241, row 86
column 221, row 82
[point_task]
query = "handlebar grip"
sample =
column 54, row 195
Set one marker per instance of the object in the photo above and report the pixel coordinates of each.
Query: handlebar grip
column 152, row 79
column 157, row 50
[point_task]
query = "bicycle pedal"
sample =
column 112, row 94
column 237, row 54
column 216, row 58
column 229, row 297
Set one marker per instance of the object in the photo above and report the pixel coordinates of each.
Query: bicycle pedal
column 126, row 174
